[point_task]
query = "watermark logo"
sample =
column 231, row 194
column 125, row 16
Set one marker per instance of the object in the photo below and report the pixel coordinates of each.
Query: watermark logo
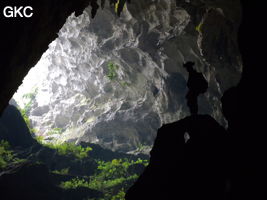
column 14, row 11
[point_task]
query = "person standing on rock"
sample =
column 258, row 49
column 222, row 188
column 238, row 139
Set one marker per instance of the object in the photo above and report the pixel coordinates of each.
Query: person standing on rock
column 196, row 84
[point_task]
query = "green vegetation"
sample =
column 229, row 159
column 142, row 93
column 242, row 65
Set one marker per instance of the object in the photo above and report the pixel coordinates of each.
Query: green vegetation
column 64, row 171
column 30, row 97
column 117, row 5
column 112, row 71
column 39, row 139
column 113, row 74
column 119, row 196
column 55, row 131
column 66, row 149
column 114, row 174
column 198, row 27
column 124, row 83
column 141, row 147
column 74, row 183
column 7, row 156
column 70, row 149
column 109, row 178
column 27, row 120
column 25, row 117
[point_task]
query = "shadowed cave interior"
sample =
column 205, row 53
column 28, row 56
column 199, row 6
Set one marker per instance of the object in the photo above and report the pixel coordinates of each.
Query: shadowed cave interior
column 116, row 98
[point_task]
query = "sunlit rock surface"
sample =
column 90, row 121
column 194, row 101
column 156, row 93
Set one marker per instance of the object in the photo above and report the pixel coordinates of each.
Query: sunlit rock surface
column 77, row 97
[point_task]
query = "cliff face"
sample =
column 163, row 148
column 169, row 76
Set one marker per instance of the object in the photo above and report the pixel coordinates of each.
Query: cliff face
column 192, row 159
column 24, row 40
column 115, row 81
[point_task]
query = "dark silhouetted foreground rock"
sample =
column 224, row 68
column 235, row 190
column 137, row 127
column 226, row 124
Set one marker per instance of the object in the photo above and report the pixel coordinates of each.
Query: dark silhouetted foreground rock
column 33, row 181
column 30, row 181
column 188, row 161
column 243, row 175
column 14, row 129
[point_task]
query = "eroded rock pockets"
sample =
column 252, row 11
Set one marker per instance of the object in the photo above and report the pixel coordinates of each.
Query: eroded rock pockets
column 115, row 81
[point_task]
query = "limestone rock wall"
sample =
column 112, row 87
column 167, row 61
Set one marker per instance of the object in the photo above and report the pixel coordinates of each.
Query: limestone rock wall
column 115, row 81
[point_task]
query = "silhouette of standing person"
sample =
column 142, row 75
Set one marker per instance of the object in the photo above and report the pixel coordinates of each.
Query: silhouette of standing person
column 196, row 84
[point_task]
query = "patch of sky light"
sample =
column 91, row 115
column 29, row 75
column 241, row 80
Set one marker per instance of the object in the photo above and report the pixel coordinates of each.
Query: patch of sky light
column 35, row 79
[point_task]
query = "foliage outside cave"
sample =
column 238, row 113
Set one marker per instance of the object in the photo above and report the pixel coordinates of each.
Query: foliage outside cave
column 8, row 157
column 112, row 74
column 112, row 71
column 112, row 178
column 66, row 149
column 29, row 98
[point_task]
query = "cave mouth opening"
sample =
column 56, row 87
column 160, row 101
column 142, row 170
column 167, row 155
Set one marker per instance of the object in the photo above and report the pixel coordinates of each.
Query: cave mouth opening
column 85, row 89
column 114, row 82
column 79, row 102
column 106, row 81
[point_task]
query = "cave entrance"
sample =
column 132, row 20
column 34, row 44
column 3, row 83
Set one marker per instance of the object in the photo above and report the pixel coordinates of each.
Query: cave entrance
column 106, row 86
column 90, row 110
column 103, row 81
column 113, row 82
column 85, row 89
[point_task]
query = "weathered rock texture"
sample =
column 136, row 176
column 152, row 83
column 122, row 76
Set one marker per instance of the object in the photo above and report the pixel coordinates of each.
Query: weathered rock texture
column 24, row 40
column 231, row 168
column 121, row 108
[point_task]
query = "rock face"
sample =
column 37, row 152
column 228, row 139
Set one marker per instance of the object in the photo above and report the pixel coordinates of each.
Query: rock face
column 197, row 148
column 115, row 81
column 242, row 163
column 24, row 40
column 14, row 129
